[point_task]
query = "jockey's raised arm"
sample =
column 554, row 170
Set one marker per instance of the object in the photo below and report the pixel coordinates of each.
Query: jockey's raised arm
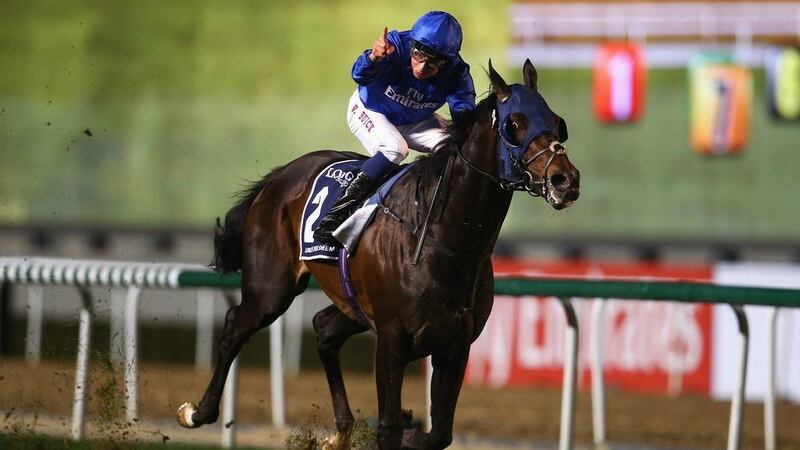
column 402, row 80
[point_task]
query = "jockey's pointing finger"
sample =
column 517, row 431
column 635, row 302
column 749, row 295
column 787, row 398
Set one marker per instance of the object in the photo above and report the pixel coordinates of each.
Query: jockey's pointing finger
column 387, row 46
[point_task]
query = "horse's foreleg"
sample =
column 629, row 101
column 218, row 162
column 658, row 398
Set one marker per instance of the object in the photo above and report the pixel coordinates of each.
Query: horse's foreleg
column 390, row 366
column 333, row 329
column 260, row 307
column 448, row 374
column 449, row 365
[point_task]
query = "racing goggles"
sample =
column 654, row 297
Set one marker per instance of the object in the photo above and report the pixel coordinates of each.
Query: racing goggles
column 426, row 54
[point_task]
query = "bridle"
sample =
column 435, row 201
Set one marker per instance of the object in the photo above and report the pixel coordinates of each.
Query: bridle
column 521, row 180
column 527, row 182
column 512, row 174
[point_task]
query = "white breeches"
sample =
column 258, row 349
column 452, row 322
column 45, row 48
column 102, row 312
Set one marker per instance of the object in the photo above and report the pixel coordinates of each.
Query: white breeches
column 377, row 134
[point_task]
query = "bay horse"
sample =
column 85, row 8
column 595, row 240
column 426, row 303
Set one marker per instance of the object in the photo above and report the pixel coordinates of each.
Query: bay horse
column 436, row 305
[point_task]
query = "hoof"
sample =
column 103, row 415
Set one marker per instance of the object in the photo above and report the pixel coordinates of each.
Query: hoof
column 413, row 439
column 185, row 415
column 337, row 441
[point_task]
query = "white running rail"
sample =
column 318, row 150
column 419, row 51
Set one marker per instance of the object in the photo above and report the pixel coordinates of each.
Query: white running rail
column 133, row 276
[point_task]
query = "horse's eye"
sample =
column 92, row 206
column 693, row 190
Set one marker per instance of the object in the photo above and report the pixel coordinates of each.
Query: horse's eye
column 511, row 131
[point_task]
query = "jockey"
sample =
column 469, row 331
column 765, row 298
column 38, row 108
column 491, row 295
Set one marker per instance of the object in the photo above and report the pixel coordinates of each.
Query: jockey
column 402, row 80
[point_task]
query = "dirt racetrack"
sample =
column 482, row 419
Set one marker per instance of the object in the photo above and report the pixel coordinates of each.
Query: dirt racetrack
column 530, row 415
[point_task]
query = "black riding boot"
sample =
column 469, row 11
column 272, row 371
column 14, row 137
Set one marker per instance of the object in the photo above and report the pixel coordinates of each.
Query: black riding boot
column 353, row 197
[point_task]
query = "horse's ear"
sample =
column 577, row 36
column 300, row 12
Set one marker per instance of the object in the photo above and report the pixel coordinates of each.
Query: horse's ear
column 499, row 86
column 561, row 128
column 529, row 75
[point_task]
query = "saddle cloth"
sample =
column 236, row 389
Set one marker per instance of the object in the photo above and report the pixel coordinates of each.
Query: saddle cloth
column 328, row 186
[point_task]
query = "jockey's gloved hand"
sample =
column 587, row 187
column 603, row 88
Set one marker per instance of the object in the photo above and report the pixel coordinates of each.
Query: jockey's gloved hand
column 381, row 48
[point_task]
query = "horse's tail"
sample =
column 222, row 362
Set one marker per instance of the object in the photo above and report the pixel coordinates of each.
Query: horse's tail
column 228, row 250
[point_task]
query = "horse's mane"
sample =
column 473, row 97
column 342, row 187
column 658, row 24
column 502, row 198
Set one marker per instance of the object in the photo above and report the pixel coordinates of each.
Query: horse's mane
column 456, row 134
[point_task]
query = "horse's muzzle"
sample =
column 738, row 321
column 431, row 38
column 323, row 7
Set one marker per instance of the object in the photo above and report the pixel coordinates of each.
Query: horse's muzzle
column 564, row 188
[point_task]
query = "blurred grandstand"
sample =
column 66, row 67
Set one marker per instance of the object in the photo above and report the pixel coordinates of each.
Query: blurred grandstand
column 565, row 34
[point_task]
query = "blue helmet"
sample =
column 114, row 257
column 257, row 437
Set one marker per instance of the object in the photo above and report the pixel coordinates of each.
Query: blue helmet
column 440, row 31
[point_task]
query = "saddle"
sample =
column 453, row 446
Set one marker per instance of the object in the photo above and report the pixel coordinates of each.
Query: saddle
column 328, row 186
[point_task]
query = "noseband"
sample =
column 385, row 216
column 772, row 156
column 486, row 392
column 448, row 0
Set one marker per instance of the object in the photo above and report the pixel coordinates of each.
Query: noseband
column 527, row 183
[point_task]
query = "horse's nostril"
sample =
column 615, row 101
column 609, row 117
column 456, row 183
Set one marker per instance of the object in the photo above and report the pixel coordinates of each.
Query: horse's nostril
column 560, row 181
column 571, row 195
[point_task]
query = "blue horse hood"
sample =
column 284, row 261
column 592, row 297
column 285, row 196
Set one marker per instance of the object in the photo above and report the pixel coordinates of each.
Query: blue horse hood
column 440, row 31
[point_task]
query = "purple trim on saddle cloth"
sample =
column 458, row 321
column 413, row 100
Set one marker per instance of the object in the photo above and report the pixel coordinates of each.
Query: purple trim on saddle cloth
column 349, row 291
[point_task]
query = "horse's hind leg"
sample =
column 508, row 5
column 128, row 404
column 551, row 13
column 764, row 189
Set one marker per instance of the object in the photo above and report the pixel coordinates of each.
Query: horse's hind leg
column 265, row 296
column 333, row 329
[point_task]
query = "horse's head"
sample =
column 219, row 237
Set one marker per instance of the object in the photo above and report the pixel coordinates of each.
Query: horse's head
column 530, row 153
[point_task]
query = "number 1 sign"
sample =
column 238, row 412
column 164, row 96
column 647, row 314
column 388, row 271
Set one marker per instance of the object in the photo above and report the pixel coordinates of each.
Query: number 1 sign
column 619, row 82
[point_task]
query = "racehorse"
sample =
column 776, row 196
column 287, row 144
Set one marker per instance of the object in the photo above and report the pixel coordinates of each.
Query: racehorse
column 431, row 302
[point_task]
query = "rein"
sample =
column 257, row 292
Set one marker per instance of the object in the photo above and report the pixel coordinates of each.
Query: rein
column 444, row 180
column 491, row 177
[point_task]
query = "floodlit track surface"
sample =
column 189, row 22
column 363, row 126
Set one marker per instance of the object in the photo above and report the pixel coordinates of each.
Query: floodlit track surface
column 486, row 418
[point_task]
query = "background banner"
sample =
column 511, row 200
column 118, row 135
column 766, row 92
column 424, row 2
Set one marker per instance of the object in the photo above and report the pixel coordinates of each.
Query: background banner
column 649, row 346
